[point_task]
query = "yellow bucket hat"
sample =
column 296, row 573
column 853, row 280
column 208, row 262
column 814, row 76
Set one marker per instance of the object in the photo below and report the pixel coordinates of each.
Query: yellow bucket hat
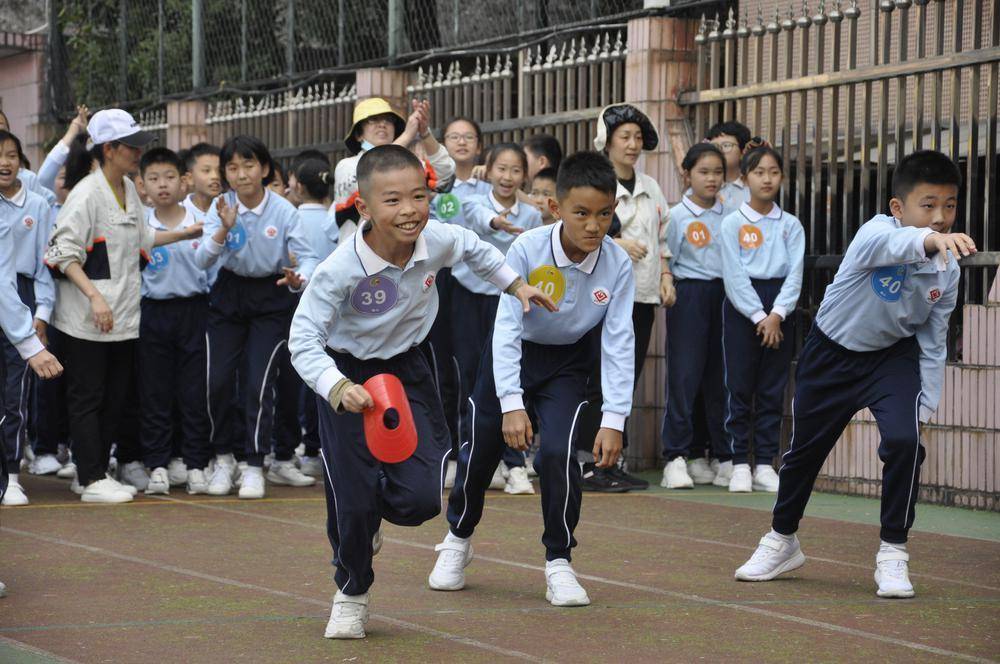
column 369, row 108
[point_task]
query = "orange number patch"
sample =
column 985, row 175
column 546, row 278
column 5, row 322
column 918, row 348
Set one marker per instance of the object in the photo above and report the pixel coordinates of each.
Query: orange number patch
column 751, row 237
column 698, row 235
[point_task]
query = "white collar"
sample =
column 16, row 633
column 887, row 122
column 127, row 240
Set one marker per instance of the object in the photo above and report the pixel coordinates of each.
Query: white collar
column 373, row 263
column 313, row 206
column 738, row 183
column 155, row 221
column 19, row 198
column 755, row 216
column 500, row 207
column 190, row 204
column 259, row 210
column 697, row 210
column 471, row 182
column 586, row 266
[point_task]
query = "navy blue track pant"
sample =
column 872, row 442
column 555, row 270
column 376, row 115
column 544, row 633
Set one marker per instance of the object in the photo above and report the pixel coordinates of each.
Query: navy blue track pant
column 18, row 387
column 361, row 491
column 173, row 381
column 248, row 321
column 694, row 364
column 755, row 379
column 440, row 350
column 51, row 418
column 831, row 385
column 554, row 379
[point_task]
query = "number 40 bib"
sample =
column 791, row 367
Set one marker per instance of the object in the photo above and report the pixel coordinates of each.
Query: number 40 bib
column 549, row 280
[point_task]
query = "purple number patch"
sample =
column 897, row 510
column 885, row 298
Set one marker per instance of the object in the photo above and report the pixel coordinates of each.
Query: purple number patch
column 374, row 296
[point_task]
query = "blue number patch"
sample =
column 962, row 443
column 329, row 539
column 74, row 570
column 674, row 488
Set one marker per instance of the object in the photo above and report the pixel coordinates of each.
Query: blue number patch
column 159, row 259
column 887, row 282
column 236, row 237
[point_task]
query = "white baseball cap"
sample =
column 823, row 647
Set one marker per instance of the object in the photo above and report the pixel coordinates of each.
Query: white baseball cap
column 114, row 124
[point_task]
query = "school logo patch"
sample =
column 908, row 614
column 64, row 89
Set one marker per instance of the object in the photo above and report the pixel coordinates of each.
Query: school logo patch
column 271, row 232
column 429, row 281
column 194, row 245
column 374, row 295
column 600, row 297
column 933, row 295
column 887, row 282
column 751, row 237
column 29, row 222
column 549, row 280
column 698, row 234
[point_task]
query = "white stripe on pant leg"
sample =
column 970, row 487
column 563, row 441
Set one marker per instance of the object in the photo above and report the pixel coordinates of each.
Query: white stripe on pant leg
column 336, row 520
column 916, row 457
column 569, row 454
column 22, row 411
column 465, row 480
column 434, row 366
column 444, row 465
column 208, row 391
column 458, row 396
column 725, row 384
column 260, row 398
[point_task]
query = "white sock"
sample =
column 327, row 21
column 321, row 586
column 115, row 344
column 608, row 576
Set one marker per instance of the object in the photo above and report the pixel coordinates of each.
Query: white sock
column 726, row 466
column 786, row 538
column 253, row 470
column 761, row 466
column 451, row 537
column 889, row 546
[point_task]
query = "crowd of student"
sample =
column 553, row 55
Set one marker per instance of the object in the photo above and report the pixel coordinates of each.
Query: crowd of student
column 200, row 302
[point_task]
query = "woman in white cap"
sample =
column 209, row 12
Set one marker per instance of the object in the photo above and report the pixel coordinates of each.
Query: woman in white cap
column 99, row 245
column 623, row 133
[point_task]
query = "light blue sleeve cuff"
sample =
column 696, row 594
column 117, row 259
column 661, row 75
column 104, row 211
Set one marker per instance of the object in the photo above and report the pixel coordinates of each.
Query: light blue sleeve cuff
column 925, row 414
column 780, row 310
column 511, row 402
column 758, row 316
column 29, row 347
column 614, row 421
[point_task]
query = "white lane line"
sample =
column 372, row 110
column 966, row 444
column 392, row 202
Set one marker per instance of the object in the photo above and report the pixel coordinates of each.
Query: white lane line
column 830, row 627
column 45, row 654
column 270, row 591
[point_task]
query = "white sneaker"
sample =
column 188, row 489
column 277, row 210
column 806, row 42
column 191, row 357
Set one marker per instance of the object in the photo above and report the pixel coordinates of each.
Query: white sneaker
column 287, row 474
column 376, row 543
column 127, row 488
column 311, row 466
column 253, row 483
column 454, row 555
column 238, row 474
column 15, row 495
column 723, row 473
column 67, row 472
column 348, row 617
column 196, row 481
column 700, row 471
column 765, row 479
column 46, row 464
column 449, row 474
column 221, row 481
column 134, row 473
column 499, row 480
column 562, row 588
column 518, row 483
column 774, row 555
column 742, row 479
column 75, row 487
column 105, row 491
column 159, row 482
column 675, row 475
column 177, row 471
column 892, row 575
column 268, row 460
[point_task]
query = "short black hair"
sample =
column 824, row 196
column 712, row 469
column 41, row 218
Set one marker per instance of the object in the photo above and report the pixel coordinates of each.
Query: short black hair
column 9, row 136
column 500, row 148
column 924, row 167
column 752, row 158
column 248, row 147
column 382, row 159
column 160, row 155
column 699, row 150
column 731, row 128
column 462, row 118
column 307, row 155
column 547, row 174
column 586, row 169
column 278, row 173
column 545, row 145
column 315, row 176
column 197, row 150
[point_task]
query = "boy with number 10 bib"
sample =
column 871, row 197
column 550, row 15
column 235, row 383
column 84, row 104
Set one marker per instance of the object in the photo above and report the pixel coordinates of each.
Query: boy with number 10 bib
column 365, row 312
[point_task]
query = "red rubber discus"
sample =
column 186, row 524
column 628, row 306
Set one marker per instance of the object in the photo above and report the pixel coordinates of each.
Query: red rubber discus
column 389, row 430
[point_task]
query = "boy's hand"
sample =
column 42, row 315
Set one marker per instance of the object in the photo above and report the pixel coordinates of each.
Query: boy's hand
column 227, row 213
column 668, row 294
column 959, row 244
column 194, row 230
column 770, row 330
column 500, row 223
column 517, row 431
column 479, row 172
column 79, row 123
column 636, row 249
column 529, row 294
column 292, row 279
column 41, row 329
column 356, row 399
column 45, row 365
column 103, row 318
column 607, row 447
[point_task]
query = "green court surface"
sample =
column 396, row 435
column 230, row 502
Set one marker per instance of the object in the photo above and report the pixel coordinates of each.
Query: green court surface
column 203, row 579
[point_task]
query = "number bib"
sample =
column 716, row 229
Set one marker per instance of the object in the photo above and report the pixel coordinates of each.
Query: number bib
column 374, row 296
column 887, row 282
column 158, row 259
column 549, row 280
column 448, row 206
column 751, row 237
column 236, row 238
column 698, row 234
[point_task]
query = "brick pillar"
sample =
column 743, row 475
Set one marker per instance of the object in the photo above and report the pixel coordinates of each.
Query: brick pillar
column 186, row 123
column 661, row 63
column 390, row 84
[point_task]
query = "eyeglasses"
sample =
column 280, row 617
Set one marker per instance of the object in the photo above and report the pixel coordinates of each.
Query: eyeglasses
column 458, row 138
column 727, row 146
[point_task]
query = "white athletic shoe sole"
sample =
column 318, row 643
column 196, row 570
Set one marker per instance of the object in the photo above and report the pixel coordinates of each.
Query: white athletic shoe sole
column 795, row 562
column 576, row 601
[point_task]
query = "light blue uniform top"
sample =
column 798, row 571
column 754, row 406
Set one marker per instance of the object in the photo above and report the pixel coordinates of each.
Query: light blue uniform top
column 756, row 246
column 29, row 180
column 447, row 207
column 259, row 244
column 887, row 289
column 733, row 195
column 15, row 316
column 478, row 212
column 360, row 304
column 172, row 270
column 693, row 238
column 320, row 228
column 601, row 288
column 30, row 219
column 54, row 160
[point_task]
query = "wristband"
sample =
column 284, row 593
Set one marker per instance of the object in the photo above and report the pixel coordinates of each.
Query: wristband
column 336, row 395
column 514, row 286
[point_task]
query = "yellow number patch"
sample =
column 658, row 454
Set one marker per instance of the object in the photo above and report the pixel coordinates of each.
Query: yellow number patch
column 549, row 280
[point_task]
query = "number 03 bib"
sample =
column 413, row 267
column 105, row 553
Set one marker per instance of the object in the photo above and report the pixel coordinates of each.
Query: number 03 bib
column 549, row 280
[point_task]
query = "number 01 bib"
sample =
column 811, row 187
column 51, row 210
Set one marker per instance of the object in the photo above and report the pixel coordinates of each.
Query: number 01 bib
column 549, row 280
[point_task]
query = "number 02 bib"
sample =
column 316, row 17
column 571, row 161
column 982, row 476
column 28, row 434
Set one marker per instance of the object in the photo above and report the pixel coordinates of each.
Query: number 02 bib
column 549, row 280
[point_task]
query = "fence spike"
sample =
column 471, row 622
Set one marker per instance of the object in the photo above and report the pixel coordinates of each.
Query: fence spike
column 835, row 15
column 618, row 46
column 821, row 17
column 853, row 12
column 804, row 21
column 582, row 55
column 550, row 58
column 729, row 32
column 744, row 30
column 886, row 6
column 789, row 22
column 571, row 56
column 539, row 60
column 508, row 66
column 713, row 34
column 700, row 37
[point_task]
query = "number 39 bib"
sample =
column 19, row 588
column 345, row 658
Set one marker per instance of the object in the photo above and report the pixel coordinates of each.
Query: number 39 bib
column 549, row 280
column 374, row 295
